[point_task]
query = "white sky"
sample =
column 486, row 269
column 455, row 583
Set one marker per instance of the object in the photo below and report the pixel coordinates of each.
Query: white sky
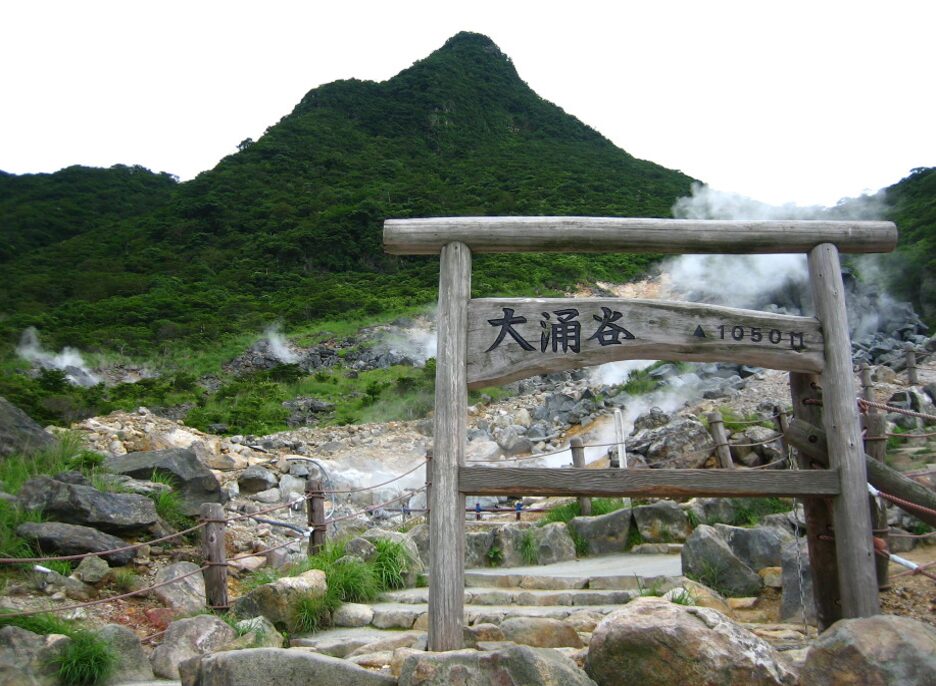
column 785, row 101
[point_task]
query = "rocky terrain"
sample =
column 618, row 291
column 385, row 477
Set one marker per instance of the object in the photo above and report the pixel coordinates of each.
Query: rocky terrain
column 743, row 589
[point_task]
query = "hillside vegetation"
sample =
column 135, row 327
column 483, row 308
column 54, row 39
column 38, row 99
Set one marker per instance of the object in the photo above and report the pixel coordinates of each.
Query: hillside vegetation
column 289, row 227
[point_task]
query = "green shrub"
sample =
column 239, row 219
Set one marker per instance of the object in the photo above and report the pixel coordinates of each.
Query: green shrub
column 568, row 511
column 391, row 563
column 529, row 550
column 749, row 511
column 311, row 613
column 125, row 580
column 86, row 660
column 682, row 597
column 494, row 556
column 353, row 581
column 580, row 542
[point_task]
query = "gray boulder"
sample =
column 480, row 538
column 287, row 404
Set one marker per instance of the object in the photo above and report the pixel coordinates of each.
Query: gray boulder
column 187, row 638
column 540, row 632
column 604, row 533
column 115, row 513
column 758, row 547
column 508, row 665
column 712, row 510
column 873, row 651
column 19, row 433
column 132, row 662
column 91, row 570
column 276, row 600
column 414, row 566
column 72, row 539
column 193, row 481
column 653, row 642
column 256, row 479
column 683, row 443
column 478, row 544
column 277, row 667
column 26, row 658
column 662, row 522
column 707, row 558
column 184, row 590
column 548, row 544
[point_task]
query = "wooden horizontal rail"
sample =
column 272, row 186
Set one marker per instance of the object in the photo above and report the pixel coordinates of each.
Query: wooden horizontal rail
column 633, row 235
column 533, row 339
column 646, row 482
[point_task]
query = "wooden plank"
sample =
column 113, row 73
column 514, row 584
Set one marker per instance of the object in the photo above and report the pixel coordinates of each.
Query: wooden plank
column 634, row 235
column 521, row 481
column 823, row 564
column 811, row 441
column 447, row 524
column 513, row 338
column 853, row 542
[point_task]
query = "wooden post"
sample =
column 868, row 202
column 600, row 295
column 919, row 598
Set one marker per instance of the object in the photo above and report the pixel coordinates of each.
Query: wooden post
column 717, row 429
column 876, row 446
column 315, row 509
column 867, row 386
column 783, row 423
column 215, row 555
column 853, row 540
column 818, row 511
column 578, row 461
column 912, row 377
column 447, row 526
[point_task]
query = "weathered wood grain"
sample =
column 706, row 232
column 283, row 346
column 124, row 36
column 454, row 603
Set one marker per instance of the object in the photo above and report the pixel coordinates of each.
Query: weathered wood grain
column 634, row 235
column 853, row 541
column 823, row 563
column 644, row 482
column 577, row 448
column 658, row 329
column 717, row 429
column 215, row 554
column 447, row 524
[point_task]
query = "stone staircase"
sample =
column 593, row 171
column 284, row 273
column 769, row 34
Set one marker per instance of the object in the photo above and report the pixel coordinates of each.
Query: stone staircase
column 596, row 586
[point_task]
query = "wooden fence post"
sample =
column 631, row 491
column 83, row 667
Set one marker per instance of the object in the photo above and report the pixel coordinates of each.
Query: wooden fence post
column 214, row 554
column 823, row 563
column 783, row 423
column 315, row 509
column 853, row 540
column 717, row 429
column 876, row 446
column 578, row 461
column 867, row 386
column 912, row 377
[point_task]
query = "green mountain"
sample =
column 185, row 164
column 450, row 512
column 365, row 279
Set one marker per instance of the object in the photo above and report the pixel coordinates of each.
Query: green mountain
column 42, row 209
column 912, row 203
column 289, row 227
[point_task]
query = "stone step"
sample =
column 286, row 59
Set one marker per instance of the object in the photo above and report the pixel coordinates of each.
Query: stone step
column 416, row 615
column 518, row 596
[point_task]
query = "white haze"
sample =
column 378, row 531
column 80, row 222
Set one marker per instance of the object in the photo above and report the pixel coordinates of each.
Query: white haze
column 750, row 281
column 68, row 360
column 279, row 346
column 418, row 344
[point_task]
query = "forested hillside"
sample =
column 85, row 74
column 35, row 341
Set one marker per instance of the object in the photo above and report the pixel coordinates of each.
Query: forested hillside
column 289, row 227
column 912, row 204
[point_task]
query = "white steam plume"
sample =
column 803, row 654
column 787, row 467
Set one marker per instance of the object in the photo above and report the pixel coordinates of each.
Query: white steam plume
column 68, row 360
column 752, row 281
column 279, row 346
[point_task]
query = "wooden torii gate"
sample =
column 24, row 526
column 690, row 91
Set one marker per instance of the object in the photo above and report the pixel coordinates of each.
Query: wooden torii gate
column 489, row 341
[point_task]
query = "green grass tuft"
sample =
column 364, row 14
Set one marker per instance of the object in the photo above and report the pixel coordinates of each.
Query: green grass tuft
column 86, row 660
column 391, row 564
column 529, row 550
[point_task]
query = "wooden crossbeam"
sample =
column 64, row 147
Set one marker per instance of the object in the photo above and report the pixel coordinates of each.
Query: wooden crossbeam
column 521, row 481
column 426, row 236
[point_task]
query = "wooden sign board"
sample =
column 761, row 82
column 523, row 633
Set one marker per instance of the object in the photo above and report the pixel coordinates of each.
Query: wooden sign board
column 511, row 339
